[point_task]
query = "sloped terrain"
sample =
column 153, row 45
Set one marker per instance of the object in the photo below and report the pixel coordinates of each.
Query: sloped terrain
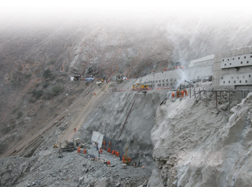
column 197, row 145
column 189, row 142
column 109, row 119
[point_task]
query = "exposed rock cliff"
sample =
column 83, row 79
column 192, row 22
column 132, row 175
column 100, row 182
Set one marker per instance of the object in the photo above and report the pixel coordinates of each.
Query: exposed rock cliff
column 197, row 145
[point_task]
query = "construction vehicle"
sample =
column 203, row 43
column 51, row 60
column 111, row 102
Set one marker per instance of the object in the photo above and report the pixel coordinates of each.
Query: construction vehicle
column 141, row 87
column 98, row 83
column 125, row 156
column 89, row 79
column 119, row 78
column 69, row 147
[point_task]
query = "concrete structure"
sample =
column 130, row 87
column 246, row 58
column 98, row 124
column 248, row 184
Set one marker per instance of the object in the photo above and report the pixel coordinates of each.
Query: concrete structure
column 162, row 79
column 200, row 68
column 232, row 69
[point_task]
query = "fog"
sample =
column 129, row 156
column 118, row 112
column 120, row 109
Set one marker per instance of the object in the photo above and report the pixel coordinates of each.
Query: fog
column 195, row 28
column 40, row 13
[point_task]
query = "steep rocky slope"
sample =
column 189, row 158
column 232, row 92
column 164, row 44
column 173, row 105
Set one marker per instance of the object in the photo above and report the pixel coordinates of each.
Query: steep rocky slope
column 110, row 117
column 36, row 64
column 197, row 145
column 44, row 167
column 193, row 144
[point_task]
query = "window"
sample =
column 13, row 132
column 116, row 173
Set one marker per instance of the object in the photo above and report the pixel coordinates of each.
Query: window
column 228, row 81
column 223, row 60
column 244, row 56
column 230, row 64
column 228, row 59
column 247, row 62
column 163, row 84
column 241, row 62
column 237, row 77
column 221, row 77
column 231, row 77
column 238, row 57
column 167, row 84
column 163, row 80
column 223, row 82
column 249, row 75
column 171, row 84
column 159, row 80
column 225, row 64
column 167, row 80
column 234, row 81
column 250, row 56
column 246, row 81
column 240, row 81
column 233, row 58
column 171, row 79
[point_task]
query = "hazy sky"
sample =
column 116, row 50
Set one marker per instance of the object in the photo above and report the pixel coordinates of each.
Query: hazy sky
column 53, row 9
column 121, row 5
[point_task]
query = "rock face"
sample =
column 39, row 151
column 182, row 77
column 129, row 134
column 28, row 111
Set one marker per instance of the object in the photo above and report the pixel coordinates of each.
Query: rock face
column 197, row 145
column 109, row 118
column 12, row 169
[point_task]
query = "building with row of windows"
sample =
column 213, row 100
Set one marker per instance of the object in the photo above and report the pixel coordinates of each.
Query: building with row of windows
column 197, row 68
column 231, row 69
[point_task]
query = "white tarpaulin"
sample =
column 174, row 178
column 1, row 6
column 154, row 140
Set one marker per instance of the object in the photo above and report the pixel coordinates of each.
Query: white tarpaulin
column 97, row 137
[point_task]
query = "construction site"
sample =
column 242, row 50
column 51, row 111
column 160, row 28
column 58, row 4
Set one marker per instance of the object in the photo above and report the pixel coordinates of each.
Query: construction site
column 126, row 103
column 128, row 135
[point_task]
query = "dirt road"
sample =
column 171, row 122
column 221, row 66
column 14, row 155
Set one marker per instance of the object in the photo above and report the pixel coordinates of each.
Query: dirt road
column 90, row 103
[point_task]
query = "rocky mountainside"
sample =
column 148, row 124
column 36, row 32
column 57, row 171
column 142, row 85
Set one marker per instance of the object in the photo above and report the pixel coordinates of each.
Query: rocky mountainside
column 206, row 146
column 36, row 64
column 40, row 106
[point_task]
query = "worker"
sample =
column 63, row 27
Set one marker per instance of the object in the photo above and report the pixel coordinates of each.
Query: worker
column 129, row 160
column 182, row 93
column 99, row 153
column 108, row 162
column 173, row 94
column 74, row 129
column 113, row 152
column 100, row 150
column 178, row 94
column 185, row 92
column 110, row 144
column 96, row 145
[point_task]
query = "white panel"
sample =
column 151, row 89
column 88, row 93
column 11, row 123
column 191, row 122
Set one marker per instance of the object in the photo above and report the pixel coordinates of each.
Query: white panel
column 236, row 61
column 236, row 79
column 97, row 137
